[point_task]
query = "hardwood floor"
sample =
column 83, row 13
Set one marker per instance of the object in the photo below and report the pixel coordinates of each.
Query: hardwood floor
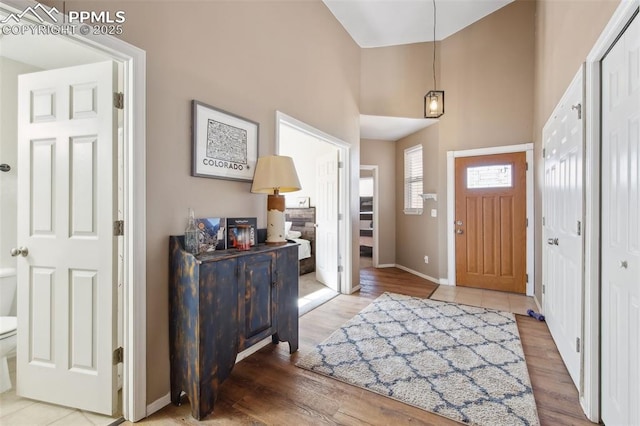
column 267, row 388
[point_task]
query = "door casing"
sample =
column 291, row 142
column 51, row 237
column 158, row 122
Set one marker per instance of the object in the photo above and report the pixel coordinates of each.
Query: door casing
column 133, row 61
column 451, row 198
column 345, row 248
column 590, row 395
column 376, row 220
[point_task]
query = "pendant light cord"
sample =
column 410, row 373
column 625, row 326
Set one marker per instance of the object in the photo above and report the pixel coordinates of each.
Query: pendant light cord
column 435, row 86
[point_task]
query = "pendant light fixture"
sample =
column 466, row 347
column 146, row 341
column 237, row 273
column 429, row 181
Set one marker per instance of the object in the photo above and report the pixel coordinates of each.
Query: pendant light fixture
column 434, row 99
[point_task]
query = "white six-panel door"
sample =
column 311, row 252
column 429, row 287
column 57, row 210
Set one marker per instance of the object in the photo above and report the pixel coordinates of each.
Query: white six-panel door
column 327, row 220
column 66, row 209
column 562, row 267
column 620, row 269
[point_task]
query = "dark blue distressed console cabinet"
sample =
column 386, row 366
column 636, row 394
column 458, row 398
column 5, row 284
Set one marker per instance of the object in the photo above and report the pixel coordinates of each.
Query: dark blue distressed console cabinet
column 222, row 303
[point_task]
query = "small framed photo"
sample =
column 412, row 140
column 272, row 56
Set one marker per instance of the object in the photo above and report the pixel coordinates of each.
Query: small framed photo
column 225, row 146
column 297, row 202
column 233, row 223
column 211, row 234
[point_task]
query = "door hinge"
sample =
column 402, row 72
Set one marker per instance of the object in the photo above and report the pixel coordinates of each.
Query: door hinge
column 577, row 344
column 544, row 152
column 118, row 356
column 579, row 108
column 118, row 228
column 526, row 165
column 339, row 216
column 527, row 277
column 341, row 164
column 543, row 221
column 579, row 228
column 340, row 268
column 118, row 100
column 527, row 225
column 543, row 288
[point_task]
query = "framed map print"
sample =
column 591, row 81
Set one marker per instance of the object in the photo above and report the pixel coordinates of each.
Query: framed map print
column 225, row 146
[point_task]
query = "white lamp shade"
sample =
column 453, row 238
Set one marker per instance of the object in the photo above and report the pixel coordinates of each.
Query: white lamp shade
column 275, row 172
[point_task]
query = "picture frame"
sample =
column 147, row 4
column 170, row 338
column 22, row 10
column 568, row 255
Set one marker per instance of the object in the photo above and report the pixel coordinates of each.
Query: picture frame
column 225, row 145
column 211, row 234
column 233, row 223
column 297, row 202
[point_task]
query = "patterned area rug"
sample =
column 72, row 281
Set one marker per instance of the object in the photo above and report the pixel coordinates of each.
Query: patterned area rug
column 461, row 362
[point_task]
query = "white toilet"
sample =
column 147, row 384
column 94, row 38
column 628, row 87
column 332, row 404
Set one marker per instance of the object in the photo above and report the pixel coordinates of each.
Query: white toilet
column 8, row 325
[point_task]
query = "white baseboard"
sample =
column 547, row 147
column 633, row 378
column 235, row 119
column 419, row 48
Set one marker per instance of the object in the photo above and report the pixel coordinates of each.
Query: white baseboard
column 165, row 400
column 253, row 349
column 535, row 299
column 354, row 289
column 159, row 404
column 421, row 275
column 386, row 265
column 445, row 281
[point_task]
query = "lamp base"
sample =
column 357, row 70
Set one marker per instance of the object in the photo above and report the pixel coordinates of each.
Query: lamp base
column 275, row 220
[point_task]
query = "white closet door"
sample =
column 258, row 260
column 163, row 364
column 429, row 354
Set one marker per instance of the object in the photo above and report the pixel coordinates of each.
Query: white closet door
column 621, row 230
column 563, row 260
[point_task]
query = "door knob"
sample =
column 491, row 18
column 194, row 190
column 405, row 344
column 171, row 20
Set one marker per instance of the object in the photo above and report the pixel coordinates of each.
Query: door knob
column 623, row 264
column 22, row 251
column 550, row 241
column 458, row 222
column 459, row 231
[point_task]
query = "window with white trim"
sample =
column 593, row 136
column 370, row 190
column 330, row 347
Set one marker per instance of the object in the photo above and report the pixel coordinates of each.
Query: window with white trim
column 413, row 180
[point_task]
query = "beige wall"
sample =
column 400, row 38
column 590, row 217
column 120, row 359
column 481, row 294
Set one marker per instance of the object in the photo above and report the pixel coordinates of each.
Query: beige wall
column 417, row 235
column 395, row 79
column 382, row 154
column 565, row 34
column 250, row 58
column 487, row 71
column 487, row 74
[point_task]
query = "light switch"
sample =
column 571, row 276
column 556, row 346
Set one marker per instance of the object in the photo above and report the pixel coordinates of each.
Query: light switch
column 434, row 213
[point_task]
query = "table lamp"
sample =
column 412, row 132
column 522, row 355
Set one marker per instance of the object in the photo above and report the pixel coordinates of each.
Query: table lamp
column 275, row 174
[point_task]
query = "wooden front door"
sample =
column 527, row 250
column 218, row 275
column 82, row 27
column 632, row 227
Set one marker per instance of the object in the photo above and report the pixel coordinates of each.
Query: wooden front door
column 490, row 222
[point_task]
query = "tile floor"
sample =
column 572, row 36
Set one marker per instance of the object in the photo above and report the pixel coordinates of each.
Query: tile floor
column 510, row 302
column 18, row 411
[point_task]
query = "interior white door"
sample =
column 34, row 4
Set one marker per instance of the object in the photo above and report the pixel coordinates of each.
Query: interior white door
column 67, row 191
column 620, row 248
column 563, row 196
column 327, row 220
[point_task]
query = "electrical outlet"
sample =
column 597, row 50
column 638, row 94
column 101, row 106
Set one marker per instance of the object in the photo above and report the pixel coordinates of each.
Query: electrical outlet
column 426, row 259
